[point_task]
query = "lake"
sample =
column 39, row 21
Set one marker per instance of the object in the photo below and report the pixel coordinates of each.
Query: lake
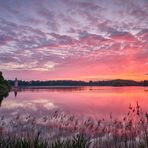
column 80, row 101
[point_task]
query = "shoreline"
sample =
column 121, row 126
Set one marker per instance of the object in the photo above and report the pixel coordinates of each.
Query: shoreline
column 62, row 87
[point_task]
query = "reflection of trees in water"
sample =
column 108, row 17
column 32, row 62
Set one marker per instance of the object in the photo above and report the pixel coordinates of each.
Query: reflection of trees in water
column 15, row 93
column 146, row 91
column 2, row 96
column 54, row 88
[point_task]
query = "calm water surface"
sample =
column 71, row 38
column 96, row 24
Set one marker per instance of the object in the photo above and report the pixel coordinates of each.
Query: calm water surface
column 81, row 101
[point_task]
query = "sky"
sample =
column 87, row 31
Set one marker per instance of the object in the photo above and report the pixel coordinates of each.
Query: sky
column 74, row 39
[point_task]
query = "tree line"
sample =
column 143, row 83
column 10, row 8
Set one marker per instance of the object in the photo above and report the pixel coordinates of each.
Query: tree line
column 117, row 82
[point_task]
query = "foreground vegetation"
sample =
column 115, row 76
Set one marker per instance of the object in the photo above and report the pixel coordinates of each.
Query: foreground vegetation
column 79, row 141
column 59, row 130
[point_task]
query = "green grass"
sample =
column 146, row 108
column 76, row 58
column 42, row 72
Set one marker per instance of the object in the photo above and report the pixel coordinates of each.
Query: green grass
column 78, row 141
column 22, row 142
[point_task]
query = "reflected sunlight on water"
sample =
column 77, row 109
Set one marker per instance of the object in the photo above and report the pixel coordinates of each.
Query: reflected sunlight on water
column 88, row 101
column 64, row 112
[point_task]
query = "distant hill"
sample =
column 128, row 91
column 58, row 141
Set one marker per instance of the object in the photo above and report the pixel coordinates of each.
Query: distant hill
column 117, row 82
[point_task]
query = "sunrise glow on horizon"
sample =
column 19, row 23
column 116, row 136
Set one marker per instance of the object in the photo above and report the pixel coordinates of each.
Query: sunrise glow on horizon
column 74, row 39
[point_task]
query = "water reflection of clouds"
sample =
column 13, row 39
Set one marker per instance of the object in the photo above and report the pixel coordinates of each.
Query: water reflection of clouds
column 32, row 105
column 96, row 101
